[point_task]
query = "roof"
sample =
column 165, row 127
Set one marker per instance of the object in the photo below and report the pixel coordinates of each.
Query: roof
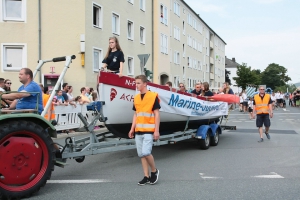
column 202, row 20
column 230, row 63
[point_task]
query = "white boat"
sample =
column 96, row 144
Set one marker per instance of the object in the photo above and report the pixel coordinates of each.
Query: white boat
column 177, row 109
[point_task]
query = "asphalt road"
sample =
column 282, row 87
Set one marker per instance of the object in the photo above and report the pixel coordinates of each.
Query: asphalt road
column 238, row 168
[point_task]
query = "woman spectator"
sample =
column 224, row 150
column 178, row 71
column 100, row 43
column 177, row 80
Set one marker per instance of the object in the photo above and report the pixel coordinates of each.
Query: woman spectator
column 7, row 85
column 70, row 95
column 114, row 58
column 227, row 89
column 205, row 90
column 94, row 96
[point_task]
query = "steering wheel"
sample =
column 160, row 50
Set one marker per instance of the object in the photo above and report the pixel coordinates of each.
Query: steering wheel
column 4, row 104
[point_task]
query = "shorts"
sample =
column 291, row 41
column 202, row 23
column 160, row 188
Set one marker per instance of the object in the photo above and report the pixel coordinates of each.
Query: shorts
column 297, row 102
column 144, row 143
column 250, row 110
column 279, row 100
column 245, row 103
column 263, row 119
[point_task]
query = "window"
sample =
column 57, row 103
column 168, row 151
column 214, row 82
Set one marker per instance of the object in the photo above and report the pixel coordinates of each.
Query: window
column 183, row 28
column 163, row 43
column 199, row 65
column 183, row 50
column 130, row 67
column 176, row 8
column 142, row 35
column 171, row 31
column 176, row 81
column 142, row 5
column 170, row 55
column 207, row 68
column 200, row 28
column 130, row 30
column 163, row 14
column 130, row 1
column 14, row 10
column 176, row 57
column 207, row 34
column 176, row 33
column 116, row 24
column 14, row 56
column 97, row 59
column 199, row 47
column 97, row 16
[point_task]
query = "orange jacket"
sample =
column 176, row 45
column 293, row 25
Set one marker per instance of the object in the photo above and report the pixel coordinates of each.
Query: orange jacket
column 145, row 121
column 262, row 105
column 45, row 100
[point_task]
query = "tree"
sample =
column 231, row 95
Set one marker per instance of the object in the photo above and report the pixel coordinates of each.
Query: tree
column 275, row 76
column 286, row 88
column 227, row 79
column 246, row 76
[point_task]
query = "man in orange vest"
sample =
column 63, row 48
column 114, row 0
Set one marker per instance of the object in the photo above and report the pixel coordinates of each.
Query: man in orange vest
column 145, row 127
column 262, row 107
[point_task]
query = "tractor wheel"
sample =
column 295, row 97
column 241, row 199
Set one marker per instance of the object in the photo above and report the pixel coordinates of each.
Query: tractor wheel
column 27, row 158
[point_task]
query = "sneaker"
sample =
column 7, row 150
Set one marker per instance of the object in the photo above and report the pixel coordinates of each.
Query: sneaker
column 144, row 181
column 261, row 140
column 154, row 177
column 268, row 135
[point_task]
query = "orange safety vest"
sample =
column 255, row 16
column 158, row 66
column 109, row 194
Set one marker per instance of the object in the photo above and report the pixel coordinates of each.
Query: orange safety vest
column 145, row 121
column 45, row 100
column 262, row 105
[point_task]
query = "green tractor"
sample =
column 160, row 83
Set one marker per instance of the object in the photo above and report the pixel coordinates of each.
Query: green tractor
column 27, row 153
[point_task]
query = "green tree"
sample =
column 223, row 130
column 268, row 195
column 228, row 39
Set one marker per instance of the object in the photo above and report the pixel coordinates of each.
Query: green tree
column 275, row 76
column 227, row 79
column 246, row 76
column 288, row 87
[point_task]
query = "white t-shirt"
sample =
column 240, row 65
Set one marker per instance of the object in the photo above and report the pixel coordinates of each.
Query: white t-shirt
column 1, row 89
column 241, row 99
column 281, row 96
column 273, row 98
column 250, row 104
column 70, row 97
column 277, row 95
column 244, row 96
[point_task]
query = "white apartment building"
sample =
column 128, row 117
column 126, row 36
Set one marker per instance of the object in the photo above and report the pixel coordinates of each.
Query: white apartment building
column 33, row 29
column 190, row 51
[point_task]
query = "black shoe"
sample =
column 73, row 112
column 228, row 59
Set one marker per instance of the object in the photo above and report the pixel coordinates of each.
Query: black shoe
column 261, row 140
column 268, row 135
column 154, row 177
column 144, row 181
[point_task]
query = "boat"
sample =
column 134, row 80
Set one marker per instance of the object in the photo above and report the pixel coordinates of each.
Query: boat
column 178, row 110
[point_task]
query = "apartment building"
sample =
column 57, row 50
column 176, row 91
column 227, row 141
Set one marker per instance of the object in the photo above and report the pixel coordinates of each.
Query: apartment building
column 188, row 50
column 35, row 29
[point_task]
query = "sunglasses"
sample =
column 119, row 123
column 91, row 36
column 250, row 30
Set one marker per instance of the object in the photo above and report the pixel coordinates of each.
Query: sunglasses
column 9, row 83
column 261, row 89
column 181, row 86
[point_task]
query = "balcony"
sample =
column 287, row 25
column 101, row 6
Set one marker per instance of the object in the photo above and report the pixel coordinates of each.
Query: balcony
column 211, row 45
column 211, row 76
column 211, row 60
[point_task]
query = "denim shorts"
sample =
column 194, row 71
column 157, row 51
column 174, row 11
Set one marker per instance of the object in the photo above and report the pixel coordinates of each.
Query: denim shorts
column 144, row 143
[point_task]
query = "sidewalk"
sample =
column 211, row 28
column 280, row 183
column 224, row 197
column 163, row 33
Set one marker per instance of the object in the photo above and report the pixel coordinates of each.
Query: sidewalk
column 65, row 135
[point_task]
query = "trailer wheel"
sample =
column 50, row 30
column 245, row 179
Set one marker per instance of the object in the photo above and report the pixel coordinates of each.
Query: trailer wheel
column 214, row 140
column 27, row 158
column 80, row 159
column 204, row 143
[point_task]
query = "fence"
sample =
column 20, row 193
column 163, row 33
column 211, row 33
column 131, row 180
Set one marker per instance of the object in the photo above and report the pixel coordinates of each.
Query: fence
column 67, row 116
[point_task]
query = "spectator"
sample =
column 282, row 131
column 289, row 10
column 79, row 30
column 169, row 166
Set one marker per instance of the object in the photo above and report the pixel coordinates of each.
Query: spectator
column 50, row 112
column 65, row 88
column 70, row 95
column 221, row 90
column 169, row 83
column 197, row 91
column 84, row 98
column 182, row 88
column 205, row 90
column 94, row 96
column 2, row 85
column 60, row 98
column 7, row 86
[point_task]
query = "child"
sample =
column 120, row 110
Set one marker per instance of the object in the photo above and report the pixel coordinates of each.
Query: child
column 250, row 107
column 61, row 99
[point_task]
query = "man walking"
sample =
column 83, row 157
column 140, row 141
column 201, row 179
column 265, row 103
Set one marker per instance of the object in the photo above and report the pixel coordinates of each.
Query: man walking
column 262, row 106
column 145, row 127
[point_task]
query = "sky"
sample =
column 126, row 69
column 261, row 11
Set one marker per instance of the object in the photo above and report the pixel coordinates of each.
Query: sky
column 257, row 32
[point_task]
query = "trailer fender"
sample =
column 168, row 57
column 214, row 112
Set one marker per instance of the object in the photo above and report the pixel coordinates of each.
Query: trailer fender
column 214, row 128
column 202, row 131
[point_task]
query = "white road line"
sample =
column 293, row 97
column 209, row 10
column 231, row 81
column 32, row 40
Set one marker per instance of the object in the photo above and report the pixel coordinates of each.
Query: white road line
column 236, row 121
column 211, row 177
column 271, row 175
column 80, row 181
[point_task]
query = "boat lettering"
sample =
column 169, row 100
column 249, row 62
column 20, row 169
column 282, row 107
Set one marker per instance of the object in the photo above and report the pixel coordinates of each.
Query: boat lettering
column 128, row 82
column 190, row 104
column 128, row 97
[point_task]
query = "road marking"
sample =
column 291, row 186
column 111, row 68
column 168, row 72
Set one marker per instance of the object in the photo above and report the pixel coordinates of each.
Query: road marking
column 209, row 177
column 272, row 175
column 80, row 181
column 236, row 121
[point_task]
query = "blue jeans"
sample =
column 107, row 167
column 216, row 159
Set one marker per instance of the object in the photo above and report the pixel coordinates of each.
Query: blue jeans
column 144, row 143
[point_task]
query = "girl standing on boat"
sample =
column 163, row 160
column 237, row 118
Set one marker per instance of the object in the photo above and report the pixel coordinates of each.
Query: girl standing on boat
column 114, row 58
column 205, row 90
column 227, row 89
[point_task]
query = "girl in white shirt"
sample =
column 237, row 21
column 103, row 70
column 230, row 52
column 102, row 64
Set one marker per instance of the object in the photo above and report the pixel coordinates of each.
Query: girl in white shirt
column 241, row 102
column 250, row 107
column 273, row 98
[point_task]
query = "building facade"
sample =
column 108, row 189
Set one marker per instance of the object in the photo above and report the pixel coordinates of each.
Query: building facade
column 231, row 66
column 30, row 32
column 182, row 47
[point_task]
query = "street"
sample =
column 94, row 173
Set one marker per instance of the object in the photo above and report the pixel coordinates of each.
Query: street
column 238, row 168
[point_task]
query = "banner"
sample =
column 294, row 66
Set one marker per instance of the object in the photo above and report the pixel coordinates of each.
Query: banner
column 172, row 102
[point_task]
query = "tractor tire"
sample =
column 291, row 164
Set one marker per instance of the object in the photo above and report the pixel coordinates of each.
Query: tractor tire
column 27, row 158
column 204, row 143
column 214, row 140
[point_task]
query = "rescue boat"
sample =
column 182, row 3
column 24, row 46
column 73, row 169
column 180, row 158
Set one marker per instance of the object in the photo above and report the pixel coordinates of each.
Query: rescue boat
column 178, row 110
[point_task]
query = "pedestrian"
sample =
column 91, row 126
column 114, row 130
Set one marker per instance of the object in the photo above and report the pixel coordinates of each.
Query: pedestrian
column 197, row 91
column 262, row 107
column 241, row 102
column 145, row 127
column 273, row 98
column 114, row 58
column 250, row 107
